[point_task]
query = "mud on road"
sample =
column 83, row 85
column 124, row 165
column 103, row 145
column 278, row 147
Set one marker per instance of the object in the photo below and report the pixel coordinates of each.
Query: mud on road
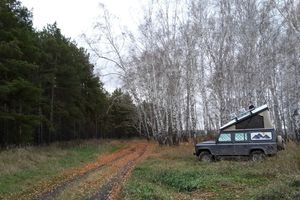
column 101, row 179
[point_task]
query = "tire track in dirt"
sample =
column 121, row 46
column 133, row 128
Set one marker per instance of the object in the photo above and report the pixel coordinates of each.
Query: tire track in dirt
column 123, row 160
column 112, row 158
column 51, row 194
column 110, row 189
column 51, row 188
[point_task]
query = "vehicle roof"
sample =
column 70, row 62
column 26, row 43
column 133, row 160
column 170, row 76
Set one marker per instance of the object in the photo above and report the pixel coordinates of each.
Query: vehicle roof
column 249, row 130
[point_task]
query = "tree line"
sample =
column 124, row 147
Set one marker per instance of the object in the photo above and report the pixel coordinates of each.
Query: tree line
column 190, row 64
column 48, row 89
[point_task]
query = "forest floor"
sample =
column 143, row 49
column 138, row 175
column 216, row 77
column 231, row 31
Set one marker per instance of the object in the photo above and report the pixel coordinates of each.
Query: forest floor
column 137, row 169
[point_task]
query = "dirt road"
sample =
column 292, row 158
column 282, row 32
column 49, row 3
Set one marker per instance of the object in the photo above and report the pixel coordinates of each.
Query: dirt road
column 101, row 179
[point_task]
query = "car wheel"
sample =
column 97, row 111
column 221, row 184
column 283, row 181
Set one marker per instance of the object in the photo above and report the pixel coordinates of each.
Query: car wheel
column 205, row 156
column 257, row 156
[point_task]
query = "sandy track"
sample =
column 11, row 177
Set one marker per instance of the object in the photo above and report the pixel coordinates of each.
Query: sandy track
column 110, row 189
column 114, row 168
column 100, row 179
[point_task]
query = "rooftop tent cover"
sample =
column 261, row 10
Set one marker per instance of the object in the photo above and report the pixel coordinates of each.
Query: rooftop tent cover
column 245, row 115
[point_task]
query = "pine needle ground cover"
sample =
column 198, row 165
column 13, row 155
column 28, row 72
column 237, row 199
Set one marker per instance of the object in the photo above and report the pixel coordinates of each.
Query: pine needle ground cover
column 174, row 173
column 24, row 168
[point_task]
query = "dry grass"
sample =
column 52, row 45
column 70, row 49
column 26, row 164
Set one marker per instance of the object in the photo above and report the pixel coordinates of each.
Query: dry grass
column 166, row 173
column 24, row 169
column 15, row 160
column 112, row 165
column 18, row 159
column 174, row 173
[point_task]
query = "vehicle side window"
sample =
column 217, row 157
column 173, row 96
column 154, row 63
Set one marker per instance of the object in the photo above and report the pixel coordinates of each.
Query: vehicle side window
column 261, row 136
column 225, row 137
column 239, row 137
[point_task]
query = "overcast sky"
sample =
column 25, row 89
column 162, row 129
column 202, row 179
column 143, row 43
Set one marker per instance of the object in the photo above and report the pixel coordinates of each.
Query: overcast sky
column 75, row 17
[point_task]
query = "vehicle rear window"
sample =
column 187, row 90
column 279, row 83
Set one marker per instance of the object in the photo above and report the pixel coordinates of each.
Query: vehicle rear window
column 239, row 137
column 225, row 137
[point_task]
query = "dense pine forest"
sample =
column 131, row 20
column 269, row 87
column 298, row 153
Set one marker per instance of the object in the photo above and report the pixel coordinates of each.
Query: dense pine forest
column 48, row 91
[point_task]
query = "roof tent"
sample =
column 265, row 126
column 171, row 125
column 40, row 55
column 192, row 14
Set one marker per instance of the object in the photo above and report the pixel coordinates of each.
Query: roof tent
column 251, row 119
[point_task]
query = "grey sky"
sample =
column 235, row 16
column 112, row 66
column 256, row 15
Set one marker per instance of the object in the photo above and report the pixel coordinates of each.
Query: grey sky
column 77, row 17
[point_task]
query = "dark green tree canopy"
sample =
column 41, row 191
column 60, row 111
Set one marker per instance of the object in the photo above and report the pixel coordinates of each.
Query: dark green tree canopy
column 48, row 90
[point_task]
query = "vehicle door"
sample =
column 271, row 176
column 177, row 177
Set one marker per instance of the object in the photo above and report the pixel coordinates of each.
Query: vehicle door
column 241, row 143
column 224, row 144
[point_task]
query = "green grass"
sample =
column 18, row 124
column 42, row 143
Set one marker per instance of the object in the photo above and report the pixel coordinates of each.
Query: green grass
column 176, row 174
column 22, row 168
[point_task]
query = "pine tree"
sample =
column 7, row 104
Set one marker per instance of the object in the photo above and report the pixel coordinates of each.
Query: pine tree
column 121, row 115
column 19, row 94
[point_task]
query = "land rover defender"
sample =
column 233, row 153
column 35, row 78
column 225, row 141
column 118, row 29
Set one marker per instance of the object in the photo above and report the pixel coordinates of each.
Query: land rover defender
column 251, row 134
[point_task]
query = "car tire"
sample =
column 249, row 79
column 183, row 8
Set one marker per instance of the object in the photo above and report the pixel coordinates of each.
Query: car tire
column 257, row 156
column 205, row 156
